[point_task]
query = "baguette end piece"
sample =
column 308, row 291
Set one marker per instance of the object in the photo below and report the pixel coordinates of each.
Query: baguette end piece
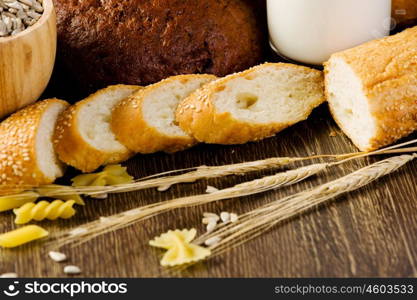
column 372, row 90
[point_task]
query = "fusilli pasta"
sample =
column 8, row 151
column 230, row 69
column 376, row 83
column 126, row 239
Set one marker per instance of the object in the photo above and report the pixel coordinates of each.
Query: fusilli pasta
column 44, row 210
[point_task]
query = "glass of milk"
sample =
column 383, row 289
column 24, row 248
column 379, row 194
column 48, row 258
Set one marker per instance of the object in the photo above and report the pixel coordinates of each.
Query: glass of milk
column 309, row 31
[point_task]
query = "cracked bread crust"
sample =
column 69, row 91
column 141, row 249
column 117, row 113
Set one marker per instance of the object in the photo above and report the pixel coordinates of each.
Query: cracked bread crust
column 141, row 42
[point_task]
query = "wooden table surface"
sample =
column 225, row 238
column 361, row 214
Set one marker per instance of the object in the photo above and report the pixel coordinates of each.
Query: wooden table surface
column 370, row 232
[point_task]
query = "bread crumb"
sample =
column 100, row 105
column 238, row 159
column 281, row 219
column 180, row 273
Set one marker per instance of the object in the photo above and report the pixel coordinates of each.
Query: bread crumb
column 333, row 134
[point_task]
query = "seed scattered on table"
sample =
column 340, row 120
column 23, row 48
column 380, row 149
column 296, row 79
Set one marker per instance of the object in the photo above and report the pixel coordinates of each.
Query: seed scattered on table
column 212, row 241
column 57, row 256
column 210, row 219
column 225, row 216
column 233, row 217
column 8, row 275
column 72, row 270
column 211, row 226
column 163, row 188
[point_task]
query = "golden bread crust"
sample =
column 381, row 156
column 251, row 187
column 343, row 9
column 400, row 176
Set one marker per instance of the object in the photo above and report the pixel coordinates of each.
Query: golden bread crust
column 387, row 69
column 132, row 130
column 198, row 117
column 18, row 158
column 73, row 149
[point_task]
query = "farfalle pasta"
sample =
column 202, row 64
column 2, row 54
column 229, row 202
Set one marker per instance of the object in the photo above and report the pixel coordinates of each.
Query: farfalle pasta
column 22, row 236
column 44, row 210
column 13, row 201
column 179, row 246
column 111, row 175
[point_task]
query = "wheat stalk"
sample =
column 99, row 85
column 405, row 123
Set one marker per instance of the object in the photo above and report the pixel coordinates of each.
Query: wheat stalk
column 197, row 173
column 99, row 227
column 201, row 172
column 257, row 221
column 124, row 219
column 207, row 172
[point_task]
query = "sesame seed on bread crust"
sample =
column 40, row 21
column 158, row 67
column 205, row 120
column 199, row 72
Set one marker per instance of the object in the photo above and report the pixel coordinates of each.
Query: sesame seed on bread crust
column 387, row 72
column 145, row 123
column 19, row 164
column 200, row 116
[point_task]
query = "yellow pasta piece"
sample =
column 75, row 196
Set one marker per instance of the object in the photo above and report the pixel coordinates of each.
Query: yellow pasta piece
column 111, row 175
column 55, row 190
column 44, row 210
column 180, row 250
column 22, row 236
column 13, row 201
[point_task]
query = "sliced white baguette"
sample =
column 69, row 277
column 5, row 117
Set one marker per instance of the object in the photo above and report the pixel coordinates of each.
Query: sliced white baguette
column 251, row 105
column 372, row 90
column 27, row 156
column 83, row 137
column 145, row 122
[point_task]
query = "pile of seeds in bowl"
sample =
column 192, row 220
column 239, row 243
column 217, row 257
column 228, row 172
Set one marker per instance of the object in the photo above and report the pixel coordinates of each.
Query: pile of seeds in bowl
column 17, row 15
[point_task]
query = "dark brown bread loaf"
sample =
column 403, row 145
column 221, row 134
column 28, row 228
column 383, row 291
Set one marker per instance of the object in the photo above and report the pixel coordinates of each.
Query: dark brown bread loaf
column 143, row 41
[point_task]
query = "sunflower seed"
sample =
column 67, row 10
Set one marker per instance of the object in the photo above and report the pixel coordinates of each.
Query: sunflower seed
column 57, row 256
column 163, row 188
column 211, row 226
column 212, row 241
column 72, row 270
column 18, row 15
column 8, row 275
column 225, row 216
column 233, row 217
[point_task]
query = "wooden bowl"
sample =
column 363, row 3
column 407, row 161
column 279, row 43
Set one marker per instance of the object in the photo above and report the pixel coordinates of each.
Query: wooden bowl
column 26, row 62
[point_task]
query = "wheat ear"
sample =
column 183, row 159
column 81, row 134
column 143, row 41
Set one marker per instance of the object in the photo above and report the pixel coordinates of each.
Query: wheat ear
column 124, row 219
column 104, row 225
column 206, row 172
column 259, row 220
column 201, row 172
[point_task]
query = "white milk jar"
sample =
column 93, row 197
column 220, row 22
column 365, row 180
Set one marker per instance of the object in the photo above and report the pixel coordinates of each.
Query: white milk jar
column 309, row 31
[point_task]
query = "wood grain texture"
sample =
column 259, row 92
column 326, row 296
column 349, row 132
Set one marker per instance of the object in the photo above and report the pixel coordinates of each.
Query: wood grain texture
column 371, row 232
column 26, row 62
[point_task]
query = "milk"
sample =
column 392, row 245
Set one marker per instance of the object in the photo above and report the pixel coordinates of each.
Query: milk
column 309, row 31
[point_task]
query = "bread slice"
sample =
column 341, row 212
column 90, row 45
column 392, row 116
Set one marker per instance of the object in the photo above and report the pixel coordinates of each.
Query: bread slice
column 83, row 137
column 145, row 122
column 251, row 105
column 372, row 90
column 27, row 156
